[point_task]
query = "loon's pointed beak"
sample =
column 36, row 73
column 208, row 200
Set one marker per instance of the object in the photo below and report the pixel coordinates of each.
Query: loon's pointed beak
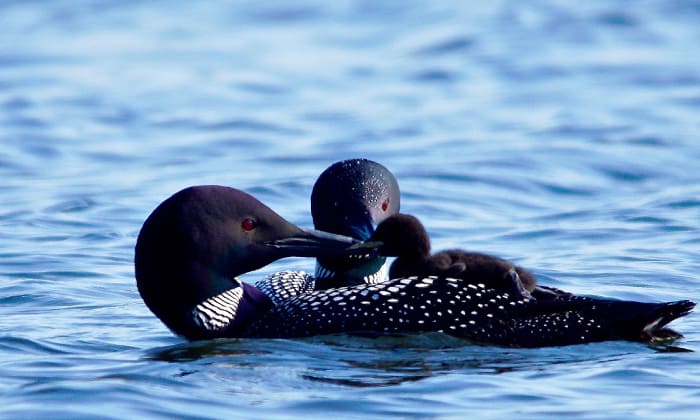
column 375, row 246
column 317, row 243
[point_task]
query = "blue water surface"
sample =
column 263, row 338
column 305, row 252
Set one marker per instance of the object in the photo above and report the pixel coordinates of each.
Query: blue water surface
column 562, row 135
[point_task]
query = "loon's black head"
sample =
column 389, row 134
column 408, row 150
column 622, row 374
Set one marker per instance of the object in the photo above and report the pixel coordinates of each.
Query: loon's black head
column 193, row 245
column 401, row 235
column 351, row 198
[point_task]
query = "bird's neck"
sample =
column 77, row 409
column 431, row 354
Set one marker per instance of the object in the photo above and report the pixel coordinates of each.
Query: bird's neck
column 329, row 275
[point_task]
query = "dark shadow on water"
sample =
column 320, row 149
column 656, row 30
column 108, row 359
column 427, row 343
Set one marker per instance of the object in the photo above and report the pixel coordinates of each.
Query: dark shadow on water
column 367, row 382
column 196, row 350
column 363, row 362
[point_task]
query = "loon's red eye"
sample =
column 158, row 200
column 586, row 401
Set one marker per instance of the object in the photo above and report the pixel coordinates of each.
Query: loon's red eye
column 248, row 224
column 385, row 205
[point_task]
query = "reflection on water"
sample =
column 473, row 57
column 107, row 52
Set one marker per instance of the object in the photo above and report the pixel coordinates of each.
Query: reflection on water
column 357, row 362
column 187, row 352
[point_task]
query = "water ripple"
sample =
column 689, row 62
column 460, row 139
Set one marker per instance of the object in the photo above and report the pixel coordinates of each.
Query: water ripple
column 561, row 136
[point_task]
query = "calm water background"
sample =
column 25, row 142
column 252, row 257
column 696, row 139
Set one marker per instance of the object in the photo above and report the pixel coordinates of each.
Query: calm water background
column 562, row 135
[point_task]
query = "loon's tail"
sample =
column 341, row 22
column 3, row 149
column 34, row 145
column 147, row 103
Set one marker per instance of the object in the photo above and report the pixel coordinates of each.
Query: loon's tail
column 651, row 326
column 575, row 319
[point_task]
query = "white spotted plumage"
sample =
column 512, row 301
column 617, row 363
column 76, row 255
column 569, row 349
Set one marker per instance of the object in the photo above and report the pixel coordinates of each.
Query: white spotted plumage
column 287, row 284
column 459, row 308
column 284, row 285
column 389, row 307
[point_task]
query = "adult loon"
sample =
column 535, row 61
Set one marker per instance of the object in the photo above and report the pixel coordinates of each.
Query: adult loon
column 192, row 246
column 350, row 198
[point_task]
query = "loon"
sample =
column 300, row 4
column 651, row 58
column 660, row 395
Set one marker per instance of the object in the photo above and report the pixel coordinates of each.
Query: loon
column 404, row 236
column 194, row 244
column 350, row 198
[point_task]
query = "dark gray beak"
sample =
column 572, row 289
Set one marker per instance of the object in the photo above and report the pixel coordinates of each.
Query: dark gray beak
column 371, row 246
column 317, row 243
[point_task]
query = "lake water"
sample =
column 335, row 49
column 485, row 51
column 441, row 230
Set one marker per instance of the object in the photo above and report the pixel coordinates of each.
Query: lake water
column 562, row 135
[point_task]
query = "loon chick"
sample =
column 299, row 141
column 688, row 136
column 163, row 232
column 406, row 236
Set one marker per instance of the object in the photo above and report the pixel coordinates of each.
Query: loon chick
column 405, row 237
column 350, row 198
column 194, row 244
